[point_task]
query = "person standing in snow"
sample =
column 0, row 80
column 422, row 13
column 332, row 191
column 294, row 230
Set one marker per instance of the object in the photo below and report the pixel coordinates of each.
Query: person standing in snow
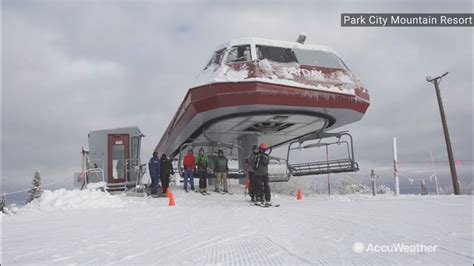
column 261, row 175
column 252, row 162
column 154, row 169
column 189, row 165
column 166, row 169
column 220, row 170
column 202, row 162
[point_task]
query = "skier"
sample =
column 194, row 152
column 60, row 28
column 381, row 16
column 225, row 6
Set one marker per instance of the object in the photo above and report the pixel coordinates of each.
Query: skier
column 154, row 169
column 220, row 170
column 189, row 165
column 202, row 162
column 252, row 162
column 261, row 175
column 166, row 169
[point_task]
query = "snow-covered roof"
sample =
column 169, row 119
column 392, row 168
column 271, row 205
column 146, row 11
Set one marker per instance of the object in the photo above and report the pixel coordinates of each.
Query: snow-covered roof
column 277, row 43
column 131, row 130
column 287, row 73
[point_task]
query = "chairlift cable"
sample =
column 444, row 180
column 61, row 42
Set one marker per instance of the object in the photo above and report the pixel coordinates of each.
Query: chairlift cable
column 28, row 189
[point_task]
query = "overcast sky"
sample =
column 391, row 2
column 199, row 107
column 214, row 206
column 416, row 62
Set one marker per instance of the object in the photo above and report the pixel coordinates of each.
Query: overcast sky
column 74, row 66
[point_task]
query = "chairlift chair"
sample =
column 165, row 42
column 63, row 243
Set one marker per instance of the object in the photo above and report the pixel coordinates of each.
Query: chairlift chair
column 340, row 165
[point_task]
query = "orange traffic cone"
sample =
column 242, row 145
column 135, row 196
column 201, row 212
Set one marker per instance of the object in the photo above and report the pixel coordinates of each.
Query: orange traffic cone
column 172, row 203
column 168, row 192
column 299, row 196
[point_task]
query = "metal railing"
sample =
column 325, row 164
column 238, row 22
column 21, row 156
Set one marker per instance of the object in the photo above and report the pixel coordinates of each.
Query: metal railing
column 132, row 170
column 276, row 176
column 95, row 175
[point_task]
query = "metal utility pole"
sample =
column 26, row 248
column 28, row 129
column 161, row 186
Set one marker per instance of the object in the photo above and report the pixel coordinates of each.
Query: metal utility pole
column 373, row 176
column 327, row 160
column 452, row 166
column 395, row 170
column 434, row 174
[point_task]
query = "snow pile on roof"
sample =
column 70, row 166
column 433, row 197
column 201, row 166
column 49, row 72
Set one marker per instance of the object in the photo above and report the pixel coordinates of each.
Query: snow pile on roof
column 63, row 199
column 287, row 74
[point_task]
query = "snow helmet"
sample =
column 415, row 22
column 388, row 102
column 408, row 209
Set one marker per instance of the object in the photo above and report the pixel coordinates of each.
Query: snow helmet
column 201, row 149
column 220, row 152
column 263, row 147
column 155, row 154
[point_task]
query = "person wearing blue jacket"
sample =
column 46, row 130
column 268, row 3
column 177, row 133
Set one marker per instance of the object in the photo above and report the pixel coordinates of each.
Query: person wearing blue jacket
column 154, row 170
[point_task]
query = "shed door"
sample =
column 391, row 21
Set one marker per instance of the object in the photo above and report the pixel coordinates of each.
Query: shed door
column 118, row 158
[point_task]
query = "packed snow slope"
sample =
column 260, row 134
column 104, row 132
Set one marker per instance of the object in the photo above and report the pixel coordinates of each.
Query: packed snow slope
column 92, row 227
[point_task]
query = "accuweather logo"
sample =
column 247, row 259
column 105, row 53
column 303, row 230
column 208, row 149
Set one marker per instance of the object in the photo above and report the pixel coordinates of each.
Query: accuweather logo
column 359, row 247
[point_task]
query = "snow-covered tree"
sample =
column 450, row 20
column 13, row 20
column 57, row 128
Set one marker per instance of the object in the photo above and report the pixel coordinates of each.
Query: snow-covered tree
column 35, row 191
column 2, row 203
column 347, row 187
column 383, row 189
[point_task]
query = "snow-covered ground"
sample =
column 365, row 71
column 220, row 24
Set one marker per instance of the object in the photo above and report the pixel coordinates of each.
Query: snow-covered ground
column 91, row 227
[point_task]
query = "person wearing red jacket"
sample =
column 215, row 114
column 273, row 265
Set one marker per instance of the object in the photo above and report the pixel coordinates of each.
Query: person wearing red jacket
column 189, row 164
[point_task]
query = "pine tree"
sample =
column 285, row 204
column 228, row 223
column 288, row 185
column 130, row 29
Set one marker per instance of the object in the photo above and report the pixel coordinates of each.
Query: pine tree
column 35, row 191
column 3, row 203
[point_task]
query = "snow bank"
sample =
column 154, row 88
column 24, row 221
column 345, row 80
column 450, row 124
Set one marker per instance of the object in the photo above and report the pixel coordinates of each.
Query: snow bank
column 10, row 210
column 96, row 185
column 63, row 199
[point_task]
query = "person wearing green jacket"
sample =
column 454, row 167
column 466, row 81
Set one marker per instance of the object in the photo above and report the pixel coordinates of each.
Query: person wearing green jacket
column 220, row 170
column 202, row 162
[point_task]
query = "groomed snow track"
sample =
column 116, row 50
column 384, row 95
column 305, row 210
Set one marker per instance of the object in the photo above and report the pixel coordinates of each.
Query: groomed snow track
column 227, row 230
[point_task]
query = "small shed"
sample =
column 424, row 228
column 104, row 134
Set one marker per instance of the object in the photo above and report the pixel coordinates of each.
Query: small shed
column 117, row 152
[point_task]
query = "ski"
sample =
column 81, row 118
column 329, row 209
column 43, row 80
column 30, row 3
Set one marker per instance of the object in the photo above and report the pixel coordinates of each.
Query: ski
column 222, row 192
column 158, row 196
column 265, row 205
